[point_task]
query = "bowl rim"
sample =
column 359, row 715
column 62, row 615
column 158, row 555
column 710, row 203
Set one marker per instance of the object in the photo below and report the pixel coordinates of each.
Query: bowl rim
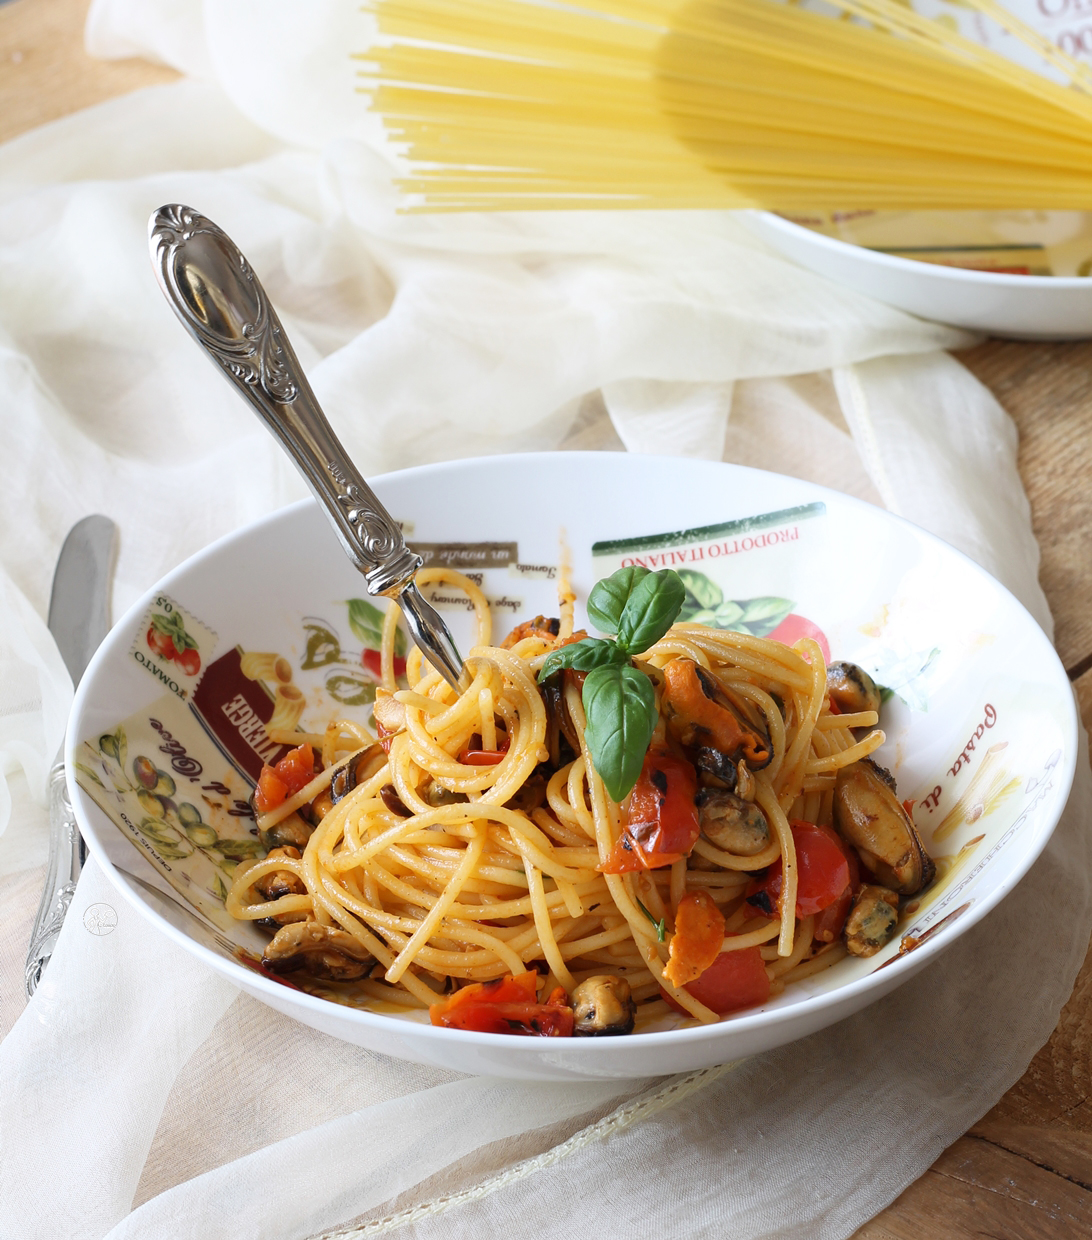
column 913, row 267
column 897, row 970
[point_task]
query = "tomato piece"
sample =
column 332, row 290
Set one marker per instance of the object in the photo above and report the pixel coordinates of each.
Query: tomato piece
column 161, row 643
column 661, row 820
column 830, row 923
column 699, row 932
column 734, row 980
column 189, row 661
column 270, row 792
column 794, row 627
column 297, row 768
column 822, row 873
column 372, row 660
column 277, row 784
column 506, row 1005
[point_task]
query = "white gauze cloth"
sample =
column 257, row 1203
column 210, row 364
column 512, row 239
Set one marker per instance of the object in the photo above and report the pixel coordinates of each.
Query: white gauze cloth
column 143, row 1096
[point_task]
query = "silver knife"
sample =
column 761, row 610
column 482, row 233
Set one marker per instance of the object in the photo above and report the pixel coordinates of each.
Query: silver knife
column 79, row 618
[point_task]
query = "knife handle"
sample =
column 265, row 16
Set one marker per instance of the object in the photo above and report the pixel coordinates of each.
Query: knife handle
column 66, row 856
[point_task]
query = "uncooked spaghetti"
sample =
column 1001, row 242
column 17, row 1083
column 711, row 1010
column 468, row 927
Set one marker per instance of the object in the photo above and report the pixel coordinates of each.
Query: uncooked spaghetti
column 512, row 104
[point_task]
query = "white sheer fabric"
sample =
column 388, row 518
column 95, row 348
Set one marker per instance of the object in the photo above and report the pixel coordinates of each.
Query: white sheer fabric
column 141, row 1096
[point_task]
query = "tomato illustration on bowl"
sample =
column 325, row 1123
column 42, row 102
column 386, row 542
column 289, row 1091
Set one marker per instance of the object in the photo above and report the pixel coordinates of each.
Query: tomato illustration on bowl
column 794, row 627
column 167, row 638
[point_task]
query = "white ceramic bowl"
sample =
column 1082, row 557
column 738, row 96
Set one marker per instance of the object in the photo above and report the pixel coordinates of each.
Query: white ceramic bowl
column 982, row 734
column 1024, row 307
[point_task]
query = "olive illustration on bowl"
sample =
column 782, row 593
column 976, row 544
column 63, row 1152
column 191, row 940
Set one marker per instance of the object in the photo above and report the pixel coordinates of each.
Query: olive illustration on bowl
column 146, row 773
column 199, row 833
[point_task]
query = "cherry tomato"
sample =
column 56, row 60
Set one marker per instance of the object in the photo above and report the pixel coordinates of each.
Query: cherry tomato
column 507, row 1005
column 794, row 627
column 161, row 643
column 373, row 662
column 662, row 819
column 822, row 873
column 734, row 980
column 277, row 784
column 189, row 661
column 830, row 923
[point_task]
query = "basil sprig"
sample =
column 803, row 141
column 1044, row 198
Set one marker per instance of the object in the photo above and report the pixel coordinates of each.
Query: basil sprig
column 619, row 702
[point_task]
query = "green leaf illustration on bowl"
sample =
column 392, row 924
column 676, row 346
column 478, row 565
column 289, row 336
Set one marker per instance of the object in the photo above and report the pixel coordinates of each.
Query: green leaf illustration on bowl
column 705, row 604
column 366, row 622
column 322, row 647
column 114, row 745
column 350, row 690
column 240, row 850
column 88, row 773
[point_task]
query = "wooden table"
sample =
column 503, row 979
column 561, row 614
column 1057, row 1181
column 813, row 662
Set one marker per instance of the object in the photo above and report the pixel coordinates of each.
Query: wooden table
column 1025, row 1169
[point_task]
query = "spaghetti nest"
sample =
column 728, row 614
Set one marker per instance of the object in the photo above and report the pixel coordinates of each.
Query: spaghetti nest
column 476, row 841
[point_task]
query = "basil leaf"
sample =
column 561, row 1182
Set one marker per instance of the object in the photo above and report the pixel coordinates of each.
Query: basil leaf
column 582, row 656
column 609, row 596
column 620, row 705
column 650, row 610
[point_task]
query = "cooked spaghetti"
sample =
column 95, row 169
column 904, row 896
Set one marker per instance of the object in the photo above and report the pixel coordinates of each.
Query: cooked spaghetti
column 511, row 104
column 478, row 842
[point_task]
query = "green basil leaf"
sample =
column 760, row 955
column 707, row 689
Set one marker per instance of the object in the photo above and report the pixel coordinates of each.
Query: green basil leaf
column 620, row 706
column 608, row 598
column 582, row 656
column 650, row 610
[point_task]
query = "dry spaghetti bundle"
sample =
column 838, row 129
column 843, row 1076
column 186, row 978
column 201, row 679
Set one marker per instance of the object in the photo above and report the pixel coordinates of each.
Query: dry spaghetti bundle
column 476, row 847
column 508, row 104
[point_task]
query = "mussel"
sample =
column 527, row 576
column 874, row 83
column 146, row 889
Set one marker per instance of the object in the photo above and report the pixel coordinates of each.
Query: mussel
column 872, row 920
column 281, row 883
column 704, row 720
column 852, row 689
column 323, row 951
column 732, row 824
column 603, row 1007
column 868, row 815
column 356, row 771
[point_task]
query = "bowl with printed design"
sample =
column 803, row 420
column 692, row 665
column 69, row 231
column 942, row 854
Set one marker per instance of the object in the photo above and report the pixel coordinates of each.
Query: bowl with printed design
column 210, row 675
